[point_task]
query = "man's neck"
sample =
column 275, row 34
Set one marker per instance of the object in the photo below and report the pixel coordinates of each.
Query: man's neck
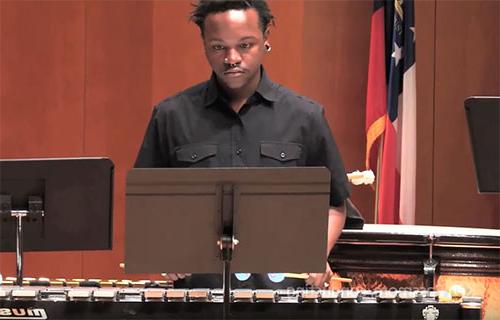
column 238, row 98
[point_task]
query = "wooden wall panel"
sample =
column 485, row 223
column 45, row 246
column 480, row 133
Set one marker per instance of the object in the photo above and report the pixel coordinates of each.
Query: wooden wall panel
column 335, row 62
column 425, row 18
column 467, row 51
column 118, row 87
column 178, row 57
column 41, row 99
column 284, row 62
column 42, row 66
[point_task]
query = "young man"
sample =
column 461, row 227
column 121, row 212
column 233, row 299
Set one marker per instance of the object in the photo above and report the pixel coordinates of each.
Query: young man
column 240, row 117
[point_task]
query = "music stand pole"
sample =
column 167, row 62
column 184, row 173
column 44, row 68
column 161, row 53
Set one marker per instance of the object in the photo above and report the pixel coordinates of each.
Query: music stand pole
column 19, row 215
column 226, row 245
column 227, row 202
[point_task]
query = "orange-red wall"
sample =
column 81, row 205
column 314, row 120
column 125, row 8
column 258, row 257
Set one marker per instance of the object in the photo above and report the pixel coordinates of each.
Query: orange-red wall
column 79, row 78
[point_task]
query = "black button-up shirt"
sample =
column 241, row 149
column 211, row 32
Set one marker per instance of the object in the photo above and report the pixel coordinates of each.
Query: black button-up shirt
column 275, row 127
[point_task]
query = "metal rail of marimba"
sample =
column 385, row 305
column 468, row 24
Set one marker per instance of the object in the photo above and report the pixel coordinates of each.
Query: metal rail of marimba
column 66, row 302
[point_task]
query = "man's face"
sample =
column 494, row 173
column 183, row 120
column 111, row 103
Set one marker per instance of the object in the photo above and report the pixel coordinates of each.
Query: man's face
column 234, row 46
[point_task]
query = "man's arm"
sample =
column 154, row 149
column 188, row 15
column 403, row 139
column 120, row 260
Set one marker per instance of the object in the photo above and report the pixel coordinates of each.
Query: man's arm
column 336, row 220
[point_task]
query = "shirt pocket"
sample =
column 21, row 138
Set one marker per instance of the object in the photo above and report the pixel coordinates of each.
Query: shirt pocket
column 196, row 155
column 280, row 153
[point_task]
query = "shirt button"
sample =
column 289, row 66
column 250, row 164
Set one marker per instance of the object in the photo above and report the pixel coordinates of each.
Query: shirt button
column 282, row 154
column 194, row 155
column 238, row 151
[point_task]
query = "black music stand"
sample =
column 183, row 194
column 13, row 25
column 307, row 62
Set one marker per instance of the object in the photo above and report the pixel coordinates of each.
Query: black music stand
column 55, row 204
column 191, row 220
column 483, row 118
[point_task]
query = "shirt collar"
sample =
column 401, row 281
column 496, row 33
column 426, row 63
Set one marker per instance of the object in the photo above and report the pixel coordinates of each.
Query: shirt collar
column 266, row 88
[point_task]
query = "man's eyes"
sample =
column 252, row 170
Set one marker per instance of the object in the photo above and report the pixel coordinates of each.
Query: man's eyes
column 217, row 47
column 243, row 45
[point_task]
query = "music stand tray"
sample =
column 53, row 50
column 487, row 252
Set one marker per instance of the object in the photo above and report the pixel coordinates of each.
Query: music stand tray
column 174, row 219
column 192, row 220
column 51, row 204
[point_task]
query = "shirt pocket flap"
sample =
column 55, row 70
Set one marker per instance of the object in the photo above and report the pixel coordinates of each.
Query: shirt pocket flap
column 194, row 153
column 281, row 151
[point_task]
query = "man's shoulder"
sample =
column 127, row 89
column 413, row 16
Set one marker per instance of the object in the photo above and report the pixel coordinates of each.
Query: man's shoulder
column 292, row 99
column 193, row 95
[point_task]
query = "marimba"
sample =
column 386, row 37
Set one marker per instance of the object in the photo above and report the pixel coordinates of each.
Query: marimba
column 374, row 258
column 116, row 302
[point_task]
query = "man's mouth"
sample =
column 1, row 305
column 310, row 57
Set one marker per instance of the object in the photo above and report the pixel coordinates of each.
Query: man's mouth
column 234, row 72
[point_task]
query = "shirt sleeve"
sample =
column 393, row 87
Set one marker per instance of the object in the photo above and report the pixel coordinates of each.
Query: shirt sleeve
column 324, row 152
column 152, row 153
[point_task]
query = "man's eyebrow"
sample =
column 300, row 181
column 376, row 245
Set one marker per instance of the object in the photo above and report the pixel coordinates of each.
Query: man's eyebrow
column 242, row 39
column 215, row 40
column 248, row 38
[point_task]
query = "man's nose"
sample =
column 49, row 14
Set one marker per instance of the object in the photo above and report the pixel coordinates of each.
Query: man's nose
column 232, row 57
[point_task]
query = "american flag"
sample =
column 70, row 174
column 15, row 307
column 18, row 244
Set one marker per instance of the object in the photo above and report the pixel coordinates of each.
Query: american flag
column 391, row 109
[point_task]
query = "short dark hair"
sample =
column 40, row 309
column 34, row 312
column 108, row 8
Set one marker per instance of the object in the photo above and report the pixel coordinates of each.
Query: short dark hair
column 206, row 7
